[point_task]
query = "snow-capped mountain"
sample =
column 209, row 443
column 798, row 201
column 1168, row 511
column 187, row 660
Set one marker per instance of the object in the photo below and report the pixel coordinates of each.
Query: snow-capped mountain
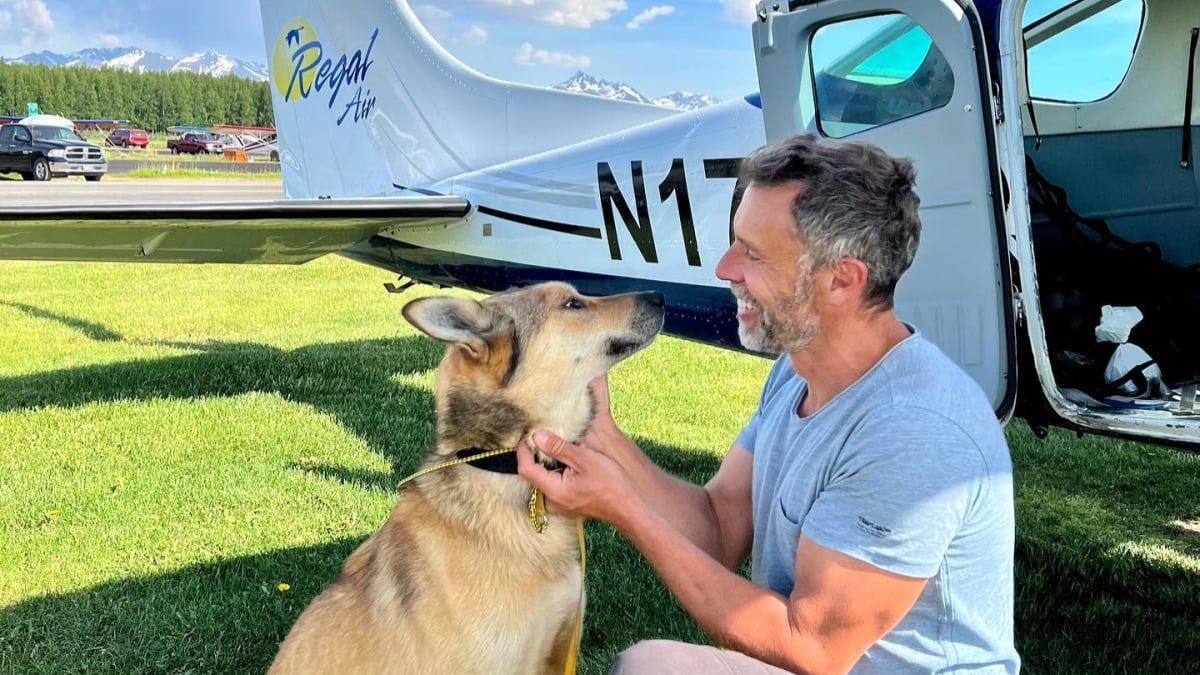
column 218, row 64
column 141, row 61
column 685, row 100
column 583, row 83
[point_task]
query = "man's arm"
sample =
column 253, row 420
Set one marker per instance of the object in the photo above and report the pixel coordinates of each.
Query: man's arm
column 838, row 608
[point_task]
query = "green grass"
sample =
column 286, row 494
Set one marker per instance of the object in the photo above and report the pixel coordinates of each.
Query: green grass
column 168, row 169
column 178, row 441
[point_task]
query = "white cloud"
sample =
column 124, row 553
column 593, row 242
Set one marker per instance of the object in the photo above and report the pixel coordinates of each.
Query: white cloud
column 649, row 15
column 475, row 35
column 435, row 19
column 28, row 18
column 442, row 26
column 527, row 55
column 741, row 11
column 570, row 13
column 109, row 40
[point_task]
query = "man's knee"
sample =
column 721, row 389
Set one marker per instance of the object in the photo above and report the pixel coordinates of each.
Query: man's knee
column 647, row 656
column 661, row 657
column 666, row 657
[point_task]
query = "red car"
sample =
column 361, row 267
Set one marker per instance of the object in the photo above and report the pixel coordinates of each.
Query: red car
column 125, row 138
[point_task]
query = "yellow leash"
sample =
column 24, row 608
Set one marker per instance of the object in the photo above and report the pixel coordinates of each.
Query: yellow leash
column 538, row 521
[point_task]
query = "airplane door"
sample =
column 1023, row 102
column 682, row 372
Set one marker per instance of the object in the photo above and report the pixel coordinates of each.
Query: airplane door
column 911, row 78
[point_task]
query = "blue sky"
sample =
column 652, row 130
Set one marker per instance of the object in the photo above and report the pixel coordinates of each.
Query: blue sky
column 657, row 46
column 702, row 46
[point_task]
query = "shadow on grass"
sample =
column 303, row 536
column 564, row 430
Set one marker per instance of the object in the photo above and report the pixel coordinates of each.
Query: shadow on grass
column 93, row 330
column 1104, row 582
column 226, row 617
column 351, row 381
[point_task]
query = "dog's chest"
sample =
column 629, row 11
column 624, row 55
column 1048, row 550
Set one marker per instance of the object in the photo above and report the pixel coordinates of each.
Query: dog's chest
column 519, row 634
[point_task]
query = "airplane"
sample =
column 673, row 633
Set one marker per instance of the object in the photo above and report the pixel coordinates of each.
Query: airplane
column 256, row 141
column 1044, row 218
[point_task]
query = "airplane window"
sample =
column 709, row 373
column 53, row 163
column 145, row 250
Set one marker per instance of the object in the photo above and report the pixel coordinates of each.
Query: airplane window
column 1076, row 54
column 873, row 70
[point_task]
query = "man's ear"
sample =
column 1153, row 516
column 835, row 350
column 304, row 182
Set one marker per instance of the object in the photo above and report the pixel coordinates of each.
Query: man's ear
column 847, row 279
column 461, row 322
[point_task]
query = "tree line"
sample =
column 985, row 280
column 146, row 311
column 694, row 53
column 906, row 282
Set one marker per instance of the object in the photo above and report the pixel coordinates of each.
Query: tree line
column 151, row 101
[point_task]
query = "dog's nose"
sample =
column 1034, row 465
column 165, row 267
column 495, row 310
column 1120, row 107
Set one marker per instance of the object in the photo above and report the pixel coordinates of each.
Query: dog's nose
column 655, row 298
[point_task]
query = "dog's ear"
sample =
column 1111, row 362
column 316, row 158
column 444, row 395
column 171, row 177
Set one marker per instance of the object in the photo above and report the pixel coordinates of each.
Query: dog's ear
column 461, row 322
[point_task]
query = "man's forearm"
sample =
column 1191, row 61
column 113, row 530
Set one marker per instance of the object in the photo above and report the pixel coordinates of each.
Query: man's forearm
column 734, row 612
column 684, row 506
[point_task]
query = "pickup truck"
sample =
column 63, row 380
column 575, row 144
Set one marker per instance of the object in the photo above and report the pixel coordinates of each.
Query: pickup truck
column 40, row 152
column 195, row 143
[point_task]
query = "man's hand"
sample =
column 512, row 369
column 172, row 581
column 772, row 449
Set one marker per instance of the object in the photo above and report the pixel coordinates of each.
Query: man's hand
column 591, row 485
column 605, row 437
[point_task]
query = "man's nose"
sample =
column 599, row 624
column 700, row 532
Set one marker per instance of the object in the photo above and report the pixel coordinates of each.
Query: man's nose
column 726, row 269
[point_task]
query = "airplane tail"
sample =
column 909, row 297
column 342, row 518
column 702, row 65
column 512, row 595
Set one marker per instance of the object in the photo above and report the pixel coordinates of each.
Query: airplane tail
column 366, row 100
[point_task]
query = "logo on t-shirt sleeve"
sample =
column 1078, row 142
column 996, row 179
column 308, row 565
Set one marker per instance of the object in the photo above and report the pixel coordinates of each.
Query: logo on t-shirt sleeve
column 872, row 529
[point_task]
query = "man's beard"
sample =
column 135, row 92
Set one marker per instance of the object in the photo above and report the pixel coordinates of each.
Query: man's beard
column 790, row 326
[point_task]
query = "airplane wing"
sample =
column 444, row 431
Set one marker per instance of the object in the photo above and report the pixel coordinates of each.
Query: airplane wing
column 284, row 231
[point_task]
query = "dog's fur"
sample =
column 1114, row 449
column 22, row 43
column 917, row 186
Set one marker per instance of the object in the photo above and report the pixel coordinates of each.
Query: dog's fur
column 457, row 581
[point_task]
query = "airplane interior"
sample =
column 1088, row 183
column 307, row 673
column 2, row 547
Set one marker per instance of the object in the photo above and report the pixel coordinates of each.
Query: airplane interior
column 1113, row 183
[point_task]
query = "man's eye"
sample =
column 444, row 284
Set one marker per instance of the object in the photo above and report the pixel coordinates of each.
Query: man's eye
column 573, row 303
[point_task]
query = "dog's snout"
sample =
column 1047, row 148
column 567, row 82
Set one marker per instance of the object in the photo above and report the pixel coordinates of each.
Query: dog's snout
column 654, row 299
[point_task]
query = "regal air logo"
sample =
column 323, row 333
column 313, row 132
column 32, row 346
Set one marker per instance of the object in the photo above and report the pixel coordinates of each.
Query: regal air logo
column 300, row 66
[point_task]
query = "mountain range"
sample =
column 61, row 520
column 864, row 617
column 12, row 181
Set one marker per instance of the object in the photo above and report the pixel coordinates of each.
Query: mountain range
column 217, row 64
column 142, row 61
column 586, row 84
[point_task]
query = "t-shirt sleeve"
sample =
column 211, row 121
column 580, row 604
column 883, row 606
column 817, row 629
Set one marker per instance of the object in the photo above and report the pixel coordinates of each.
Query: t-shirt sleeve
column 780, row 372
column 904, row 486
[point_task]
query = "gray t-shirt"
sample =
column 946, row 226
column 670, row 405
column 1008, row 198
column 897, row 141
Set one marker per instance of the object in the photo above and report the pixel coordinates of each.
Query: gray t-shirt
column 907, row 469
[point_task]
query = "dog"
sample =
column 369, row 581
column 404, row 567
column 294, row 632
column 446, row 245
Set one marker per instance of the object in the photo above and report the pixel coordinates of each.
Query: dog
column 457, row 580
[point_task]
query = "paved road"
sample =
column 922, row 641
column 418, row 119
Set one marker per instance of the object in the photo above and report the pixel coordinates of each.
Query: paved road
column 126, row 191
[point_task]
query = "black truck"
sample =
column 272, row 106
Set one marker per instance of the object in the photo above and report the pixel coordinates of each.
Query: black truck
column 40, row 152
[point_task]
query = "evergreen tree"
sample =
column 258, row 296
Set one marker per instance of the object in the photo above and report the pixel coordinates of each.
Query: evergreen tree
column 152, row 101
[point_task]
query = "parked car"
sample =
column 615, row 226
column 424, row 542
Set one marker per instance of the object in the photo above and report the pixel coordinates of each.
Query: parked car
column 41, row 151
column 195, row 143
column 127, row 138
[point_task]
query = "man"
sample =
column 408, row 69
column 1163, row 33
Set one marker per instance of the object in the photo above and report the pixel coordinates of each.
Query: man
column 872, row 487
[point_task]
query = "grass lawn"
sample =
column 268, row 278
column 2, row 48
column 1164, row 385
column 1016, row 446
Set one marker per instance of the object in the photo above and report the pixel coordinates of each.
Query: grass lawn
column 171, row 169
column 188, row 453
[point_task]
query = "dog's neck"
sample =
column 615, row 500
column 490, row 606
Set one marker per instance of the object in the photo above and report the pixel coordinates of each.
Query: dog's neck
column 470, row 421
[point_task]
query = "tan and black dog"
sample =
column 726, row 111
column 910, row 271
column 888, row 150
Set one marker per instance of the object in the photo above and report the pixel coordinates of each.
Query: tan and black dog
column 457, row 580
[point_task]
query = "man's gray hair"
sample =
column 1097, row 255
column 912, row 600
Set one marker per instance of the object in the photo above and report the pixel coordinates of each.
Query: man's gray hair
column 855, row 201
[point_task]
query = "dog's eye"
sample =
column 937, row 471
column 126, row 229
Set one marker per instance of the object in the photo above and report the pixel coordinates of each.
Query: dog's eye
column 573, row 303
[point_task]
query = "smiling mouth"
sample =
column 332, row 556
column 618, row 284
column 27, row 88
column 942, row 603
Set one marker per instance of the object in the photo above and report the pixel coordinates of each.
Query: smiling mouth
column 746, row 309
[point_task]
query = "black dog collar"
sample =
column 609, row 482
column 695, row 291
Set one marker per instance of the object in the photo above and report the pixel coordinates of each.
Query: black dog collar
column 505, row 463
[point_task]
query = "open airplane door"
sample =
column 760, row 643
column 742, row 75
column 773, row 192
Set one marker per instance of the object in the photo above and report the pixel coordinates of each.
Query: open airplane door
column 910, row 77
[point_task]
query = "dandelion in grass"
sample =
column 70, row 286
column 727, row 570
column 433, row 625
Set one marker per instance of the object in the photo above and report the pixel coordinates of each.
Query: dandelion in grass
column 284, row 588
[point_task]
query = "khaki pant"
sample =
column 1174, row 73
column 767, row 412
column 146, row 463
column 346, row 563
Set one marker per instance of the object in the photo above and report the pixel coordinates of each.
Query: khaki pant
column 665, row 657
